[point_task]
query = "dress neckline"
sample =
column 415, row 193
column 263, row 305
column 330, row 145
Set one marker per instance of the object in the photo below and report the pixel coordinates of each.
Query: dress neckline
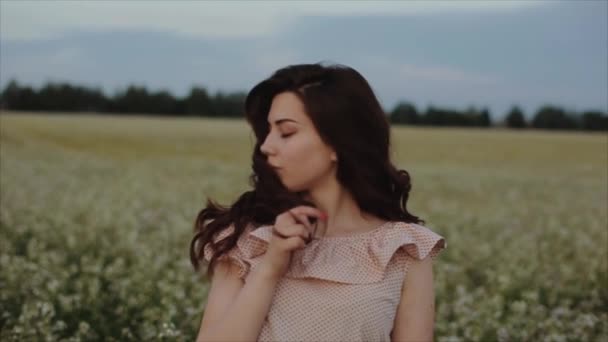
column 353, row 235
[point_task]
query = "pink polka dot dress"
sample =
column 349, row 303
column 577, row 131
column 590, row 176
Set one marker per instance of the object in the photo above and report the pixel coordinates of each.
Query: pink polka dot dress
column 339, row 288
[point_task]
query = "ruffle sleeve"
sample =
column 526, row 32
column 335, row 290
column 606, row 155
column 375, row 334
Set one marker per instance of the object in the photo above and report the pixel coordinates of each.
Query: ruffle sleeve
column 235, row 255
column 358, row 259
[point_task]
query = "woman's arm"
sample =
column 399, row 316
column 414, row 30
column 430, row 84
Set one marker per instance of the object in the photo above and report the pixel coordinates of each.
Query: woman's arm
column 415, row 317
column 236, row 312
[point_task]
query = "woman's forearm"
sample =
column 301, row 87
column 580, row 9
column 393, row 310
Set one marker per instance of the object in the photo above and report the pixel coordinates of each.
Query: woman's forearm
column 244, row 318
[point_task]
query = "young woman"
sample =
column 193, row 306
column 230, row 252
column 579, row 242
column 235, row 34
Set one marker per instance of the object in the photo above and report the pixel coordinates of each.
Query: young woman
column 323, row 247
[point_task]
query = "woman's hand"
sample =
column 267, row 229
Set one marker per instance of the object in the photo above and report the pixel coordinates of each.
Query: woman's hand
column 292, row 230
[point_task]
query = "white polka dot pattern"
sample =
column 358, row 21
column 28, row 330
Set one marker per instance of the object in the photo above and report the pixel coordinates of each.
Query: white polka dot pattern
column 342, row 288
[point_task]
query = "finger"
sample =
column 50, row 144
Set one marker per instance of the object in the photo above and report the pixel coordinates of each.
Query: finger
column 279, row 234
column 302, row 219
column 286, row 218
column 307, row 217
column 293, row 230
column 311, row 228
column 289, row 218
column 294, row 242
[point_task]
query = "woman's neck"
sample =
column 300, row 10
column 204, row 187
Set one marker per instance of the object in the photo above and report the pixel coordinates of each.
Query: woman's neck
column 344, row 215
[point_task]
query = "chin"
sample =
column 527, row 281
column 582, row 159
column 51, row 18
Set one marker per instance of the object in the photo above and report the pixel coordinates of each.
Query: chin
column 298, row 187
column 293, row 187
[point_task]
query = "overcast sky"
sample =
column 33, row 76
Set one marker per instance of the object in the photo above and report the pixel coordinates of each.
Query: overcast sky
column 451, row 54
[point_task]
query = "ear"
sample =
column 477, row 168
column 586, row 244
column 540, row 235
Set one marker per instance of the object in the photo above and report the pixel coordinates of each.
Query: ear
column 333, row 157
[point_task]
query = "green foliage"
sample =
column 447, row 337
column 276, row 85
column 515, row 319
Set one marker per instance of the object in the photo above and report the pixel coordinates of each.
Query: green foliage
column 554, row 117
column 594, row 121
column 63, row 97
column 96, row 215
column 198, row 102
column 471, row 117
column 138, row 100
column 405, row 113
column 515, row 118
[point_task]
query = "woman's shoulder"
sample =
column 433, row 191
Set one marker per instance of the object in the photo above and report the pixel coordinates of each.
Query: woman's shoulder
column 354, row 259
column 418, row 240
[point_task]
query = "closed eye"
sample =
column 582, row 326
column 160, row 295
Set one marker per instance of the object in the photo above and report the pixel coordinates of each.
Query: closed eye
column 286, row 135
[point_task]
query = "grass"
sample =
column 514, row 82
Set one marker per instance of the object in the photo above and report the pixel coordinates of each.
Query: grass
column 96, row 213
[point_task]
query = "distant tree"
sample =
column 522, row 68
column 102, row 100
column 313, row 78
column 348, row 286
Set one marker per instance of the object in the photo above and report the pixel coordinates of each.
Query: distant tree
column 594, row 121
column 449, row 117
column 133, row 100
column 469, row 117
column 484, row 118
column 10, row 95
column 65, row 97
column 551, row 117
column 179, row 106
column 515, row 118
column 435, row 116
column 198, row 102
column 137, row 99
column 404, row 113
column 162, row 102
column 228, row 105
column 17, row 97
column 474, row 117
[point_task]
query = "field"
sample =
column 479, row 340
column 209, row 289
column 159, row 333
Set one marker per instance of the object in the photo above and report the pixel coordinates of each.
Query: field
column 96, row 216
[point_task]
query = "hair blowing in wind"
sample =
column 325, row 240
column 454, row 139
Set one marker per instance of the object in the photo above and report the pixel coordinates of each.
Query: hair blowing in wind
column 348, row 117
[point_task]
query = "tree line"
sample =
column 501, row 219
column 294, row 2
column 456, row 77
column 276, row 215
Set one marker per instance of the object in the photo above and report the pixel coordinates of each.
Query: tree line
column 199, row 102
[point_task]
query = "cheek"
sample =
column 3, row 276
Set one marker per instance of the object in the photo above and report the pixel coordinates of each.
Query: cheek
column 300, row 152
column 304, row 156
column 304, row 162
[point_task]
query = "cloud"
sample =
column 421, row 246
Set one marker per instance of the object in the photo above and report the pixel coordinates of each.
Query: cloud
column 26, row 20
column 411, row 72
column 41, row 19
column 478, row 57
column 66, row 56
column 421, row 73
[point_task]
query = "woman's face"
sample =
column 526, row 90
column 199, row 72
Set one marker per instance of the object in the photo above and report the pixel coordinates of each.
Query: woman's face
column 293, row 146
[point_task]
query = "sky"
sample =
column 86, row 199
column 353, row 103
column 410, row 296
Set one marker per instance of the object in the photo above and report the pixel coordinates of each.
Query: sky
column 455, row 54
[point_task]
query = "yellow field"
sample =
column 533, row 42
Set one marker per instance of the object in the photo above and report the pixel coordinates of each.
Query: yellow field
column 96, row 214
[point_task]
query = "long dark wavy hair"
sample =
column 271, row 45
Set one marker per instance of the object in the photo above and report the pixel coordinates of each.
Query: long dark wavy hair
column 349, row 118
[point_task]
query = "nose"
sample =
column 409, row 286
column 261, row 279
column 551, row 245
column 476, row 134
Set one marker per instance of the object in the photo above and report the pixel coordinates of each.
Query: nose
column 266, row 148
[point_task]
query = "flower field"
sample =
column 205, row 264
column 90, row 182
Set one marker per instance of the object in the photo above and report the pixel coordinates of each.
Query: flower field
column 96, row 215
